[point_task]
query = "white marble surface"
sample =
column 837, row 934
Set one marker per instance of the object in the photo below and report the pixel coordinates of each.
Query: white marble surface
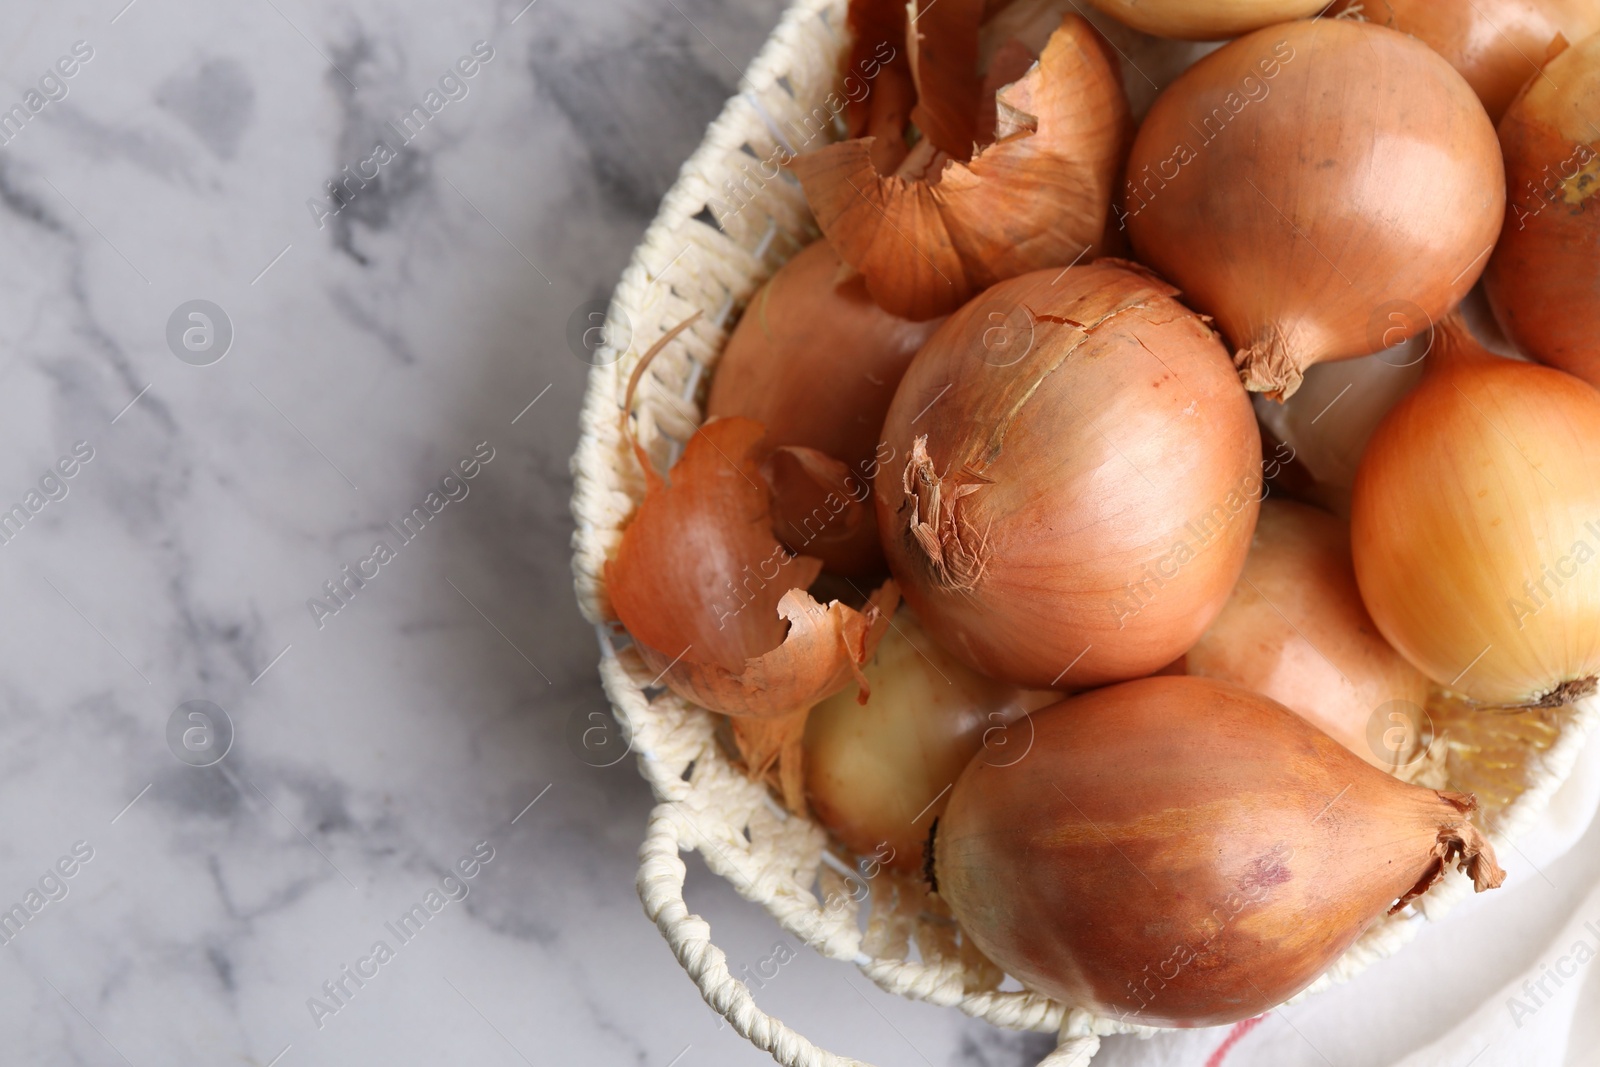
column 371, row 354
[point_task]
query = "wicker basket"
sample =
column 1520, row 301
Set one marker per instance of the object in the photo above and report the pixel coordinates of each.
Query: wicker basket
column 693, row 259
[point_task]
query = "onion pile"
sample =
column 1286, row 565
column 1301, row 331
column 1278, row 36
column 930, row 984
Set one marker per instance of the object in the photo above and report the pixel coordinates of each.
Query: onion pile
column 1182, row 852
column 1295, row 630
column 1306, row 182
column 1068, row 481
column 1075, row 480
column 1476, row 522
column 1545, row 274
column 1497, row 45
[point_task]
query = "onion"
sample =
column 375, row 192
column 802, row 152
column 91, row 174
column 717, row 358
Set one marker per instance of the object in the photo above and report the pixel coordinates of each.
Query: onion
column 929, row 237
column 1544, row 279
column 1308, row 183
column 1295, row 630
column 1475, row 524
column 719, row 610
column 1074, row 480
column 879, row 775
column 1205, row 20
column 1497, row 45
column 1182, row 852
column 816, row 362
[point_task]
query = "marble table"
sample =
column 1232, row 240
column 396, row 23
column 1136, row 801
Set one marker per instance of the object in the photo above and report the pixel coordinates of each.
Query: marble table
column 291, row 666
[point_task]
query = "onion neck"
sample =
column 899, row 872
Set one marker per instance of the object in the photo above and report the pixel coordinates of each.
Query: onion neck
column 1270, row 365
column 1454, row 346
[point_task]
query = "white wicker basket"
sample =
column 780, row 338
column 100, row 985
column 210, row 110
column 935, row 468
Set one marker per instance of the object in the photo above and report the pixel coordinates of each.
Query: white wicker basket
column 705, row 802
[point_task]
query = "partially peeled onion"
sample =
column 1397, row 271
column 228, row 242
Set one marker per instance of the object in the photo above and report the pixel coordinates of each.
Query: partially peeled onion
column 720, row 610
column 1182, row 852
column 1308, row 183
column 927, row 238
column 816, row 362
column 1074, row 481
column 1475, row 527
column 1295, row 630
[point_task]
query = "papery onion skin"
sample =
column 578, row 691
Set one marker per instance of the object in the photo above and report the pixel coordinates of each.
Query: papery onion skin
column 1069, row 505
column 880, row 773
column 1497, row 45
column 1182, row 852
column 1305, row 183
column 816, row 362
column 1205, row 20
column 1475, row 522
column 718, row 610
column 1040, row 195
column 1544, row 279
column 1295, row 630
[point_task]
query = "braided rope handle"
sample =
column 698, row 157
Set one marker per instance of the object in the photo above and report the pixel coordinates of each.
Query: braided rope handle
column 660, row 882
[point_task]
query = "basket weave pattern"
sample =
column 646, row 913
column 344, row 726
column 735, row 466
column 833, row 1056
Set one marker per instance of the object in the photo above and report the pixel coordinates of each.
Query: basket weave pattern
column 893, row 933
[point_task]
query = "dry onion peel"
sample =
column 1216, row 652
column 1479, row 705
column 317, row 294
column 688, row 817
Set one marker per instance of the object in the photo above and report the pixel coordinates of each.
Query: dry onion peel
column 1039, row 196
column 1295, row 630
column 716, row 605
column 877, row 53
column 1544, row 279
column 1310, row 182
column 1182, row 852
column 1205, row 20
column 1497, row 45
column 942, row 42
column 1475, row 527
column 1076, row 477
column 816, row 362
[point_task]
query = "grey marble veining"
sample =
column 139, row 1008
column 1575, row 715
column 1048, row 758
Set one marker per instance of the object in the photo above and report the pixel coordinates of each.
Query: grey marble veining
column 382, row 333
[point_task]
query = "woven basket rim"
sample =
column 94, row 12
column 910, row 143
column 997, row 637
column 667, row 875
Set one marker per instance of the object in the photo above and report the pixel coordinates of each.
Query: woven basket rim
column 704, row 802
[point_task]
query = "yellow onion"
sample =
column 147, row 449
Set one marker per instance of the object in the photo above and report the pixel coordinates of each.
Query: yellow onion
column 719, row 610
column 816, row 362
column 1544, row 279
column 1295, row 630
column 1306, row 183
column 930, row 236
column 878, row 774
column 1074, row 474
column 1475, row 524
column 1205, row 20
column 1182, row 852
column 1497, row 45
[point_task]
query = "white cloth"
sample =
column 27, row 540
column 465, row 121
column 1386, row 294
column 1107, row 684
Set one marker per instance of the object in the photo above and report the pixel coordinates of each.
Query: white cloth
column 1467, row 992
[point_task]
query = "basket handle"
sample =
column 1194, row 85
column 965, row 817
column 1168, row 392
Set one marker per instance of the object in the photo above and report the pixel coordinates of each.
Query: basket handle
column 660, row 885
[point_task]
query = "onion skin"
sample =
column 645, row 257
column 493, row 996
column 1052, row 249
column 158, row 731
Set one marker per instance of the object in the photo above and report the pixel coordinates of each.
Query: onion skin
column 1474, row 520
column 1497, row 45
column 1182, row 852
column 879, row 774
column 1205, row 20
column 816, row 362
column 1353, row 173
column 928, row 239
column 716, row 606
column 1544, row 279
column 1058, row 442
column 1295, row 630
